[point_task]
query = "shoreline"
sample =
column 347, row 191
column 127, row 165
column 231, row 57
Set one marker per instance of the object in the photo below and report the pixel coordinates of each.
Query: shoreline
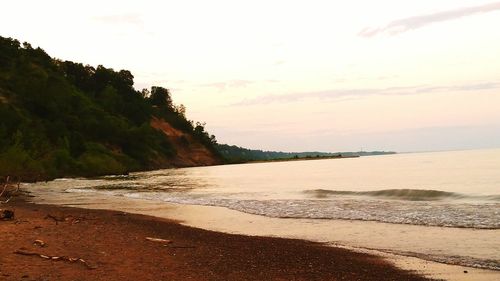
column 398, row 244
column 114, row 243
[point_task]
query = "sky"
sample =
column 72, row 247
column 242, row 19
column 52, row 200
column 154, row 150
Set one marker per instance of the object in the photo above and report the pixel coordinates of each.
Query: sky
column 296, row 75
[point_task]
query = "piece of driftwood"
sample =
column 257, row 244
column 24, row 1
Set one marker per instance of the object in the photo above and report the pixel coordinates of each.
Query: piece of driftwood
column 39, row 243
column 6, row 192
column 6, row 214
column 69, row 218
column 56, row 219
column 56, row 258
column 158, row 240
column 6, row 183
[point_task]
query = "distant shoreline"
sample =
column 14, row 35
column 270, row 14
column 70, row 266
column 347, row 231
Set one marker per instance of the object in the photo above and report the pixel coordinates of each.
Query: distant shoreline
column 300, row 159
column 339, row 156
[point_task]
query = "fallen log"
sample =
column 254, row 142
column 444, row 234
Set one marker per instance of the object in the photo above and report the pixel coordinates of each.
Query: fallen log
column 55, row 258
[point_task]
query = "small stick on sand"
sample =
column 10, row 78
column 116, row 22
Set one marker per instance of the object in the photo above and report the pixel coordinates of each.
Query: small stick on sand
column 158, row 240
column 39, row 243
column 55, row 258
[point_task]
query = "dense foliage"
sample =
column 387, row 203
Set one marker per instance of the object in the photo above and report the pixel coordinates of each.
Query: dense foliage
column 60, row 118
column 235, row 154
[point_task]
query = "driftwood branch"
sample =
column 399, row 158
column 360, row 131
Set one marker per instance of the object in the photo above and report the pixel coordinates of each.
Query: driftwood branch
column 5, row 186
column 69, row 218
column 39, row 243
column 6, row 214
column 56, row 258
column 5, row 190
column 54, row 218
column 159, row 240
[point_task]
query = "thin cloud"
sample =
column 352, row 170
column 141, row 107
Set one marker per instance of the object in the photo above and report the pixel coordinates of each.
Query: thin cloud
column 279, row 62
column 131, row 19
column 359, row 93
column 410, row 23
column 222, row 86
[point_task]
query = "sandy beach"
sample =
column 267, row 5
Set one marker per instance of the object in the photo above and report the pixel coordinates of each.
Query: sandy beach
column 111, row 245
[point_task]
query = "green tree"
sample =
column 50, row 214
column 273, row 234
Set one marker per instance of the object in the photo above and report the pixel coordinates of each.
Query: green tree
column 160, row 97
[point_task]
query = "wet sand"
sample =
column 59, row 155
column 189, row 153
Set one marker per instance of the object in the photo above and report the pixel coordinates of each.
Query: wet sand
column 113, row 245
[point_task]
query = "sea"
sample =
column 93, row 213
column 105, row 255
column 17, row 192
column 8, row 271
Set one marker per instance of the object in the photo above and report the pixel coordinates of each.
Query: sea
column 437, row 206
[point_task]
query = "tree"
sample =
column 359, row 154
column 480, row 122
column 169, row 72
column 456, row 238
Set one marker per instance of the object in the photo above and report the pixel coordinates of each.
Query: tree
column 145, row 93
column 180, row 109
column 160, row 97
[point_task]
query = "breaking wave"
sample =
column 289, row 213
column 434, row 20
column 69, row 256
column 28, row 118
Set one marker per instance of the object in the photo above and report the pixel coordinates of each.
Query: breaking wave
column 401, row 194
column 480, row 215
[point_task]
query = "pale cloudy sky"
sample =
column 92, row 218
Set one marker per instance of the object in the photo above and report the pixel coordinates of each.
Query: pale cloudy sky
column 296, row 75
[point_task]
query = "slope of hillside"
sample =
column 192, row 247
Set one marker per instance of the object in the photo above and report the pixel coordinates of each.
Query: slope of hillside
column 60, row 118
column 189, row 151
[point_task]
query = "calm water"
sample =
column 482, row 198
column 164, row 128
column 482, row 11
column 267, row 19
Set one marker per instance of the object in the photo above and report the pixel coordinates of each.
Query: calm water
column 459, row 189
